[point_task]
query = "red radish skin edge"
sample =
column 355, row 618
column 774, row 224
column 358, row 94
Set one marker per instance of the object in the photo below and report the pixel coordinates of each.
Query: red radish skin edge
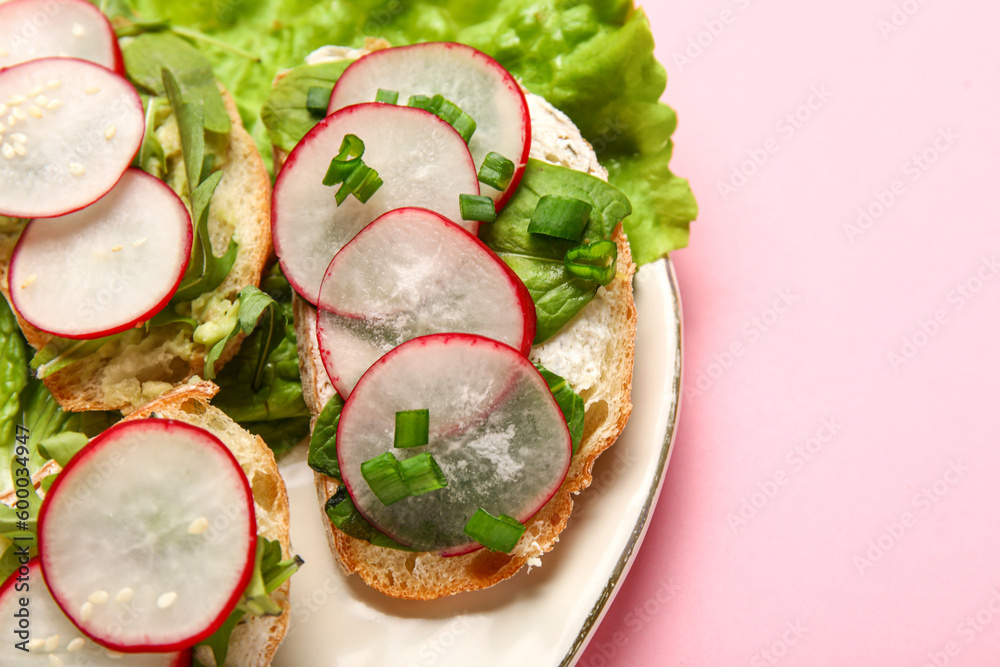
column 523, row 296
column 445, row 337
column 293, row 158
column 160, row 305
column 116, row 51
column 80, row 459
column 519, row 165
column 183, row 658
column 138, row 101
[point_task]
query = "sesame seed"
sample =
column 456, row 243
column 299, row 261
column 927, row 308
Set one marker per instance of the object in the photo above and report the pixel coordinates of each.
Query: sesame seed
column 55, row 661
column 93, row 90
column 36, row 644
column 98, row 597
column 138, row 242
column 35, row 91
column 3, row 52
column 41, row 100
column 53, row 105
column 109, row 132
column 30, row 279
column 16, row 99
column 78, row 30
column 198, row 526
column 116, row 248
column 8, row 151
column 76, row 168
column 18, row 113
column 86, row 611
column 3, row 108
column 76, row 644
column 11, row 120
column 52, row 643
column 124, row 595
column 35, row 111
column 166, row 600
column 54, row 83
column 20, row 149
column 18, row 138
column 114, row 655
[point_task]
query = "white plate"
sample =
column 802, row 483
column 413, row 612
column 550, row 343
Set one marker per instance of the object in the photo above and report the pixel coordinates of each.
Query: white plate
column 542, row 617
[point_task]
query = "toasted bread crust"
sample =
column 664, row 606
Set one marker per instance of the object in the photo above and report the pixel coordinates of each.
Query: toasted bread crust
column 245, row 195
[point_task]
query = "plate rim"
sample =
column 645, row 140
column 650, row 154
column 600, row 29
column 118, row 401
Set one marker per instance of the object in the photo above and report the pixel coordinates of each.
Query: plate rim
column 628, row 554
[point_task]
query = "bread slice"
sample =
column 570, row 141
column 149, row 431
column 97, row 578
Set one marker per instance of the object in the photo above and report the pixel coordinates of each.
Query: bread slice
column 255, row 638
column 594, row 353
column 123, row 376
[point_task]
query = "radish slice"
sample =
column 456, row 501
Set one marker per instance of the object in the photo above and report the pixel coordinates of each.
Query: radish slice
column 421, row 159
column 106, row 267
column 467, row 77
column 50, row 638
column 34, row 29
column 70, row 130
column 155, row 516
column 495, row 431
column 408, row 274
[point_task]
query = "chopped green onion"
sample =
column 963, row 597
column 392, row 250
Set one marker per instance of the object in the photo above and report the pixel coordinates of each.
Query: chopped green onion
column 412, row 428
column 596, row 261
column 447, row 111
column 495, row 533
column 385, row 479
column 560, row 217
column 363, row 182
column 422, row 474
column 421, row 102
column 349, row 169
column 387, row 96
column 347, row 160
column 497, row 171
column 477, row 207
column 318, row 101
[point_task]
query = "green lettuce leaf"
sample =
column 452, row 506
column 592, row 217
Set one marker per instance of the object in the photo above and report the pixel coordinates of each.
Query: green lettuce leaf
column 323, row 444
column 285, row 114
column 593, row 59
column 538, row 260
column 274, row 409
column 570, row 403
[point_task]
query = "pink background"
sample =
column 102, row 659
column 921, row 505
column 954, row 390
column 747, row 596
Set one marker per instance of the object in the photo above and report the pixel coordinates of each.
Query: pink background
column 873, row 345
